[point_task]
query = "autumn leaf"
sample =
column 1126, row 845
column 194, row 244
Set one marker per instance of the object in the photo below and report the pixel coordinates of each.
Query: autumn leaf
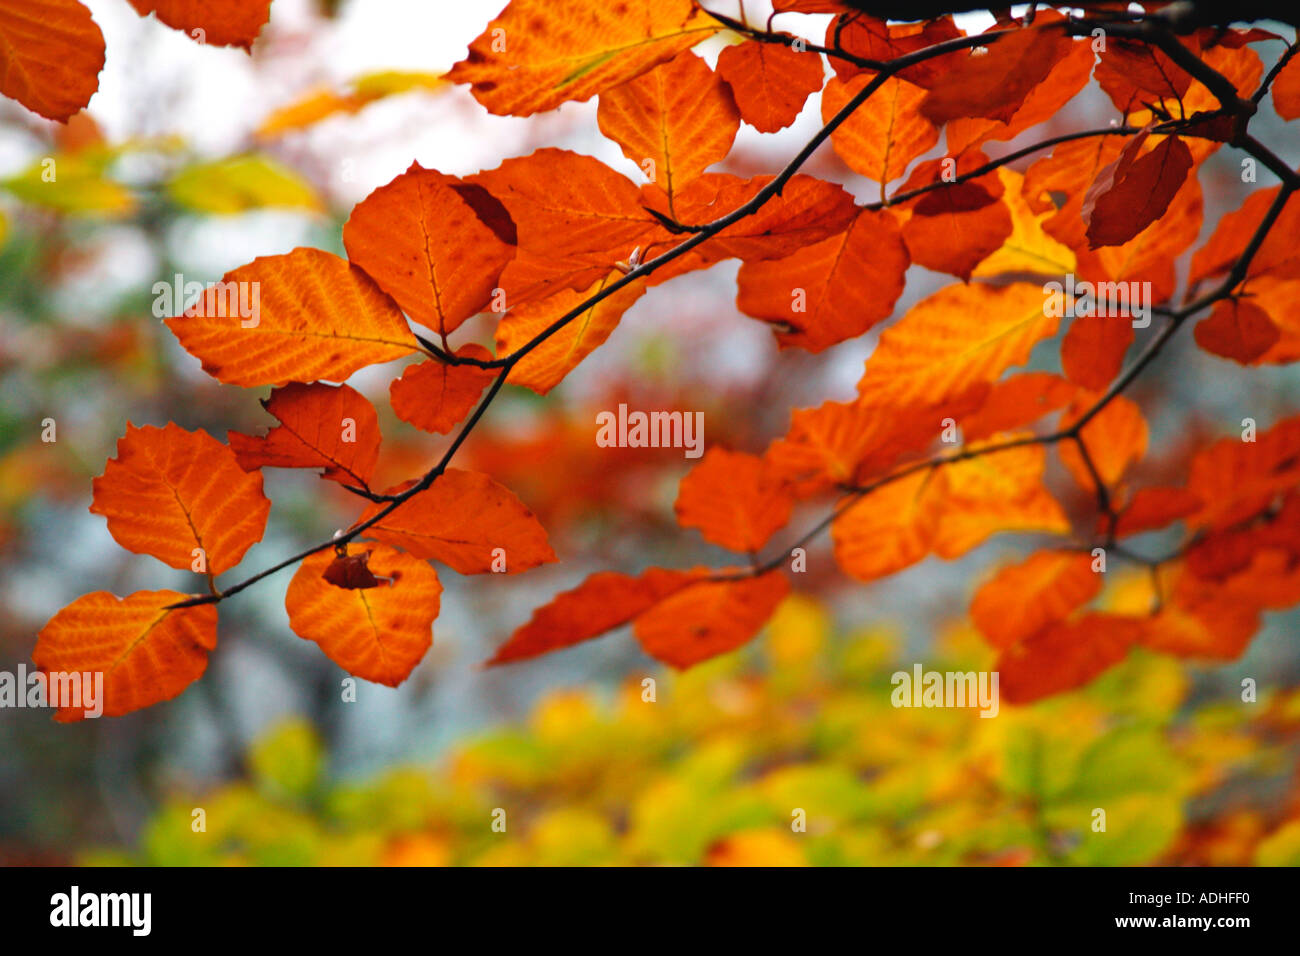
column 145, row 652
column 575, row 218
column 1028, row 249
column 538, row 54
column 379, row 633
column 1069, row 76
column 310, row 315
column 423, row 241
column 886, row 133
column 217, row 22
column 673, row 122
column 999, row 491
column 1065, row 655
column 435, row 396
column 1023, row 599
column 770, row 81
column 874, row 39
column 351, row 571
column 1015, row 402
column 602, row 602
column 1286, row 91
column 51, row 52
column 321, row 426
column 735, row 499
column 956, row 227
column 549, row 362
column 995, row 83
column 949, row 341
column 1150, row 255
column 1238, row 479
column 891, row 528
column 1134, row 191
column 832, row 290
column 709, row 618
column 1237, row 329
column 239, row 184
column 1153, row 508
column 182, row 497
column 840, row 443
column 1092, row 352
column 468, row 522
column 1277, row 255
column 1133, row 74
column 806, row 211
column 1116, row 438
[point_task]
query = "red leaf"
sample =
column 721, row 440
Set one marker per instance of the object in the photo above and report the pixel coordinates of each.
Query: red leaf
column 321, row 426
column 435, row 396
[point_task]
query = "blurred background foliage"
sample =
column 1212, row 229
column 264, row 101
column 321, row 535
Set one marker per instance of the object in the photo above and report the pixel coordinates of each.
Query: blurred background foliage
column 720, row 765
column 192, row 161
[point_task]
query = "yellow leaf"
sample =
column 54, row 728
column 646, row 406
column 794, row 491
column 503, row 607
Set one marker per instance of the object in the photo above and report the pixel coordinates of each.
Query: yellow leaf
column 240, row 183
column 958, row 337
column 1028, row 248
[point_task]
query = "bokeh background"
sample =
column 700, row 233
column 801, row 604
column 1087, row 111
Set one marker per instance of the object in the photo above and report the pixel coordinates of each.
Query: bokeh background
column 195, row 160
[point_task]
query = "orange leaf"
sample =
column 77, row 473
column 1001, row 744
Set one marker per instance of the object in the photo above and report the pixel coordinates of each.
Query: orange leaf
column 1133, row 74
column 604, row 601
column 891, row 528
column 314, row 316
column 1280, row 300
column 321, row 426
column 806, row 211
column 1069, row 171
column 832, row 290
column 884, row 134
column 1153, row 508
column 996, row 83
column 1203, row 620
column 422, row 240
column 709, row 618
column 1024, row 598
column 51, row 52
column 770, row 81
column 1066, row 655
column 170, row 491
column 1238, row 479
column 546, row 365
column 999, row 491
column 1115, row 438
column 846, row 442
column 216, row 22
column 1237, row 329
column 575, row 218
column 377, row 633
column 462, row 520
column 1286, row 90
column 434, row 396
column 1134, row 191
column 678, row 120
column 538, row 54
column 1150, row 255
column 1277, row 255
column 874, row 39
column 1029, row 249
column 956, row 338
column 1093, row 350
column 146, row 654
column 1017, row 401
column 735, row 499
column 1067, row 77
column 955, row 228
